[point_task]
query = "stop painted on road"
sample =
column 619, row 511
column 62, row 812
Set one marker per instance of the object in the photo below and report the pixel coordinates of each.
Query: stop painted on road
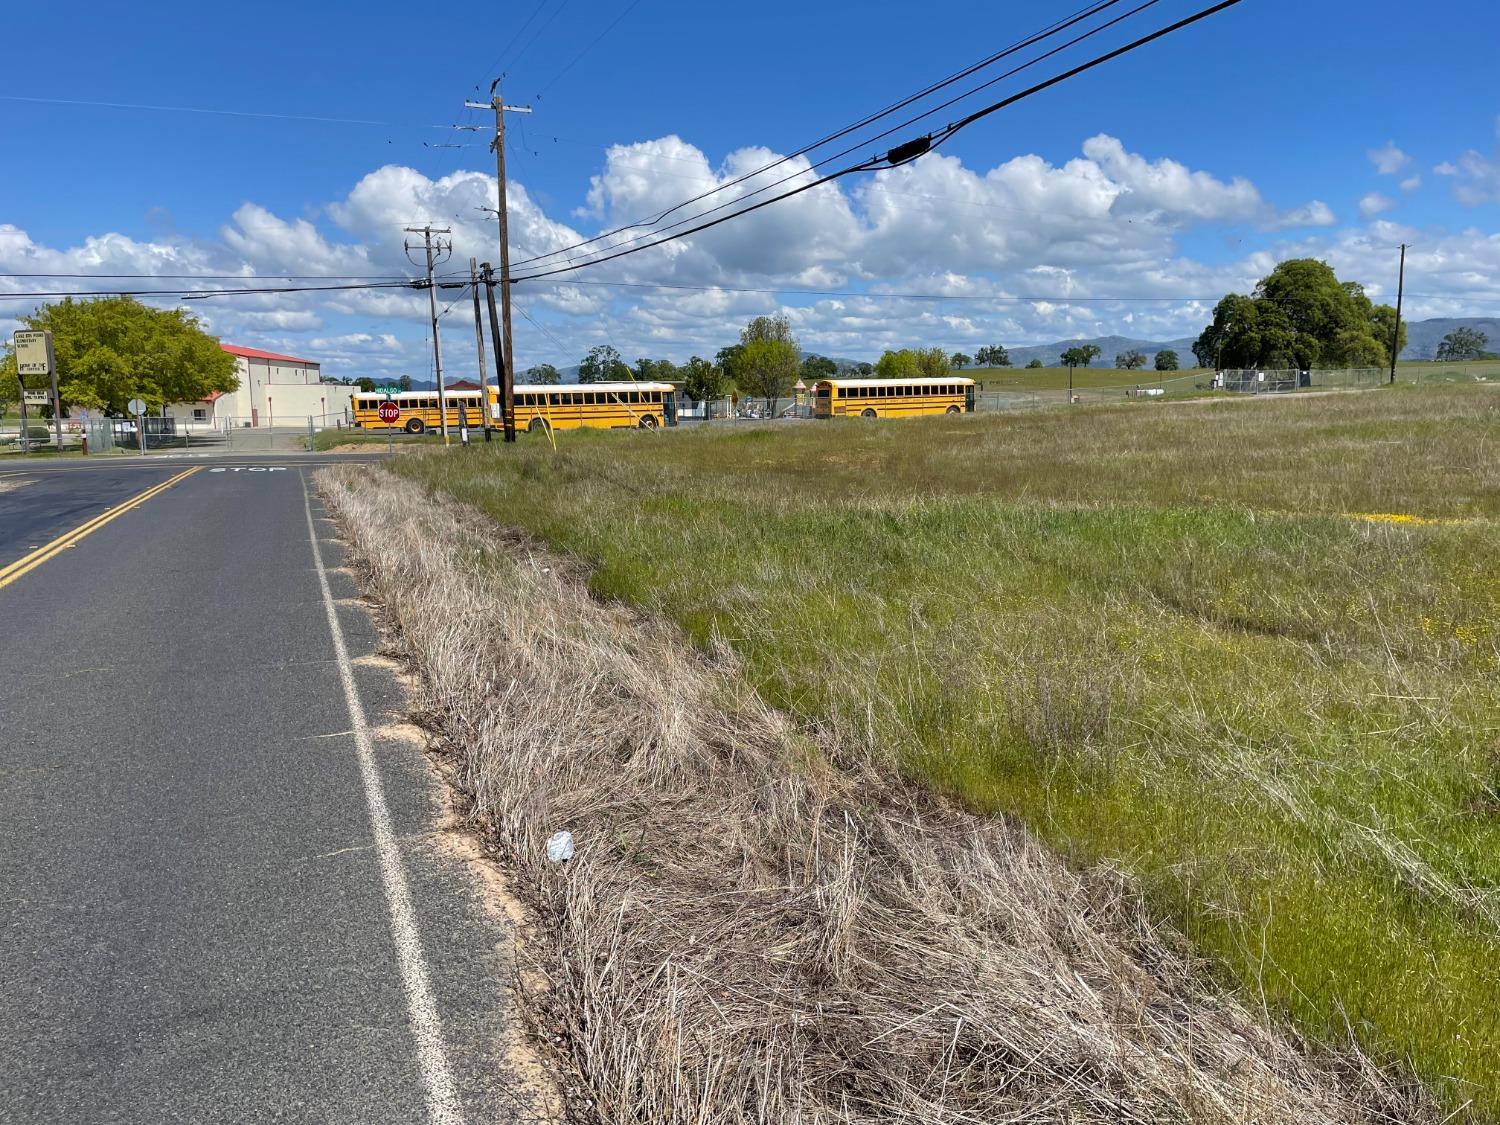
column 250, row 469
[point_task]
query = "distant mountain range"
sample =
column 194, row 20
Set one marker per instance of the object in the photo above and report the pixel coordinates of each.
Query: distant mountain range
column 1424, row 336
column 1109, row 347
column 1422, row 339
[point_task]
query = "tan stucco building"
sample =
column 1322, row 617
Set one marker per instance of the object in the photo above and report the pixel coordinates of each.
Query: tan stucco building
column 274, row 390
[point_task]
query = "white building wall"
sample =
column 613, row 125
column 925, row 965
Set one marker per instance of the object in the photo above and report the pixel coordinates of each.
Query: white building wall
column 273, row 392
column 291, row 404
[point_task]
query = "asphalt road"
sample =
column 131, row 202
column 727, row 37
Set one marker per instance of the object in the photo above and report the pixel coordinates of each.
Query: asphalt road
column 201, row 908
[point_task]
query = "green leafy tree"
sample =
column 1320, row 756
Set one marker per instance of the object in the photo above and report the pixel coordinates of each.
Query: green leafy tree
column 903, row 364
column 1358, row 347
column 703, row 381
column 1131, row 360
column 815, row 367
column 365, row 384
column 1300, row 316
column 726, row 357
column 864, row 370
column 603, row 365
column 1384, row 319
column 112, row 349
column 934, row 363
column 1080, row 355
column 1462, row 343
column 1034, row 364
column 542, row 374
column 656, row 370
column 767, row 363
column 960, row 361
column 992, row 355
column 404, row 382
column 1166, row 360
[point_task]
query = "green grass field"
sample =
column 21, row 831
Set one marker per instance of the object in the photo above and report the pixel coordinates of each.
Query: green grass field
column 1247, row 651
column 1095, row 378
column 324, row 440
column 1056, row 378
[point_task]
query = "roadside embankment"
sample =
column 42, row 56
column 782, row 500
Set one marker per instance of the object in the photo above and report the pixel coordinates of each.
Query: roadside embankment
column 758, row 924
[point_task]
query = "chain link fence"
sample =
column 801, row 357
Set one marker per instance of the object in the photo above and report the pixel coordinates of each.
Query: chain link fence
column 1435, row 372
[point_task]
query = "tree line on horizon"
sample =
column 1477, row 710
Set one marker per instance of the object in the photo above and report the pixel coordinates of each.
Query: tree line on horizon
column 1299, row 316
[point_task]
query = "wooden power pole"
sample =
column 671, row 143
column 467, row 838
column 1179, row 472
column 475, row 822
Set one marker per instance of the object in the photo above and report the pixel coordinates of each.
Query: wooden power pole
column 484, row 379
column 437, row 352
column 506, row 377
column 497, row 104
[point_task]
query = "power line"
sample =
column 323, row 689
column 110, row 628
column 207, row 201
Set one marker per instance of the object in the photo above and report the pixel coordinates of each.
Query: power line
column 218, row 276
column 901, row 154
column 194, row 294
column 594, row 43
column 878, row 294
column 209, row 110
column 462, row 289
column 978, row 115
column 514, row 39
column 1037, row 37
column 538, row 33
column 541, row 327
column 825, row 161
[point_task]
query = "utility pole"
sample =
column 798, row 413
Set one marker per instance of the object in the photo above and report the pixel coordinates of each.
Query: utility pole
column 437, row 352
column 1400, row 292
column 484, row 379
column 498, row 144
column 507, row 378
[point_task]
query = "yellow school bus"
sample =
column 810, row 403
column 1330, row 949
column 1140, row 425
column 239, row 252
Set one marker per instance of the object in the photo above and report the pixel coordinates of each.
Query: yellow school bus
column 419, row 410
column 892, row 398
column 608, row 405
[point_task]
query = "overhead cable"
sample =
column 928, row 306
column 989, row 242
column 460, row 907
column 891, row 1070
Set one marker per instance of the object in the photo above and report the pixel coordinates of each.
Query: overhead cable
column 892, row 157
column 1037, row 37
column 903, row 153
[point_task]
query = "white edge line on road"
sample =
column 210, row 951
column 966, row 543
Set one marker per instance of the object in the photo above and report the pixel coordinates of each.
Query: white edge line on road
column 443, row 1106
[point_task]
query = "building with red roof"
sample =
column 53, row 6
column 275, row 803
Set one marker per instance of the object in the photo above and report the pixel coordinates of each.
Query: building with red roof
column 274, row 389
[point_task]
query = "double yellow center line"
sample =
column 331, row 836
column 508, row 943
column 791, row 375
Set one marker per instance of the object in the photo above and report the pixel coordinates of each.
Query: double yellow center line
column 33, row 559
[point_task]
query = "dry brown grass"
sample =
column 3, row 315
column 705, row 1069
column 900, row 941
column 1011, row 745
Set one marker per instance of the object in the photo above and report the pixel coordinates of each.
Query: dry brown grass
column 759, row 926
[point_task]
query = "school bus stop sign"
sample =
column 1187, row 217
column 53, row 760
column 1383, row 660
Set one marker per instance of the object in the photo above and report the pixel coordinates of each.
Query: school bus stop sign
column 389, row 412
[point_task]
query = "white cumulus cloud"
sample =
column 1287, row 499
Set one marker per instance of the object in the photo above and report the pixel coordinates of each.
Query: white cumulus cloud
column 936, row 252
column 1388, row 159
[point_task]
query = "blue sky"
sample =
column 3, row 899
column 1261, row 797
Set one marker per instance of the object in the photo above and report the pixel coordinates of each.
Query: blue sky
column 1183, row 170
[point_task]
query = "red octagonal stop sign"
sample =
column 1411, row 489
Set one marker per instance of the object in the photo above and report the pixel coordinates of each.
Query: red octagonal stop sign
column 389, row 412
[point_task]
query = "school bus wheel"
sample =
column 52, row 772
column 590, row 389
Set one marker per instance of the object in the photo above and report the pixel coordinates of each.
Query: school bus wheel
column 648, row 422
column 415, row 426
column 868, row 412
column 951, row 410
column 536, row 425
